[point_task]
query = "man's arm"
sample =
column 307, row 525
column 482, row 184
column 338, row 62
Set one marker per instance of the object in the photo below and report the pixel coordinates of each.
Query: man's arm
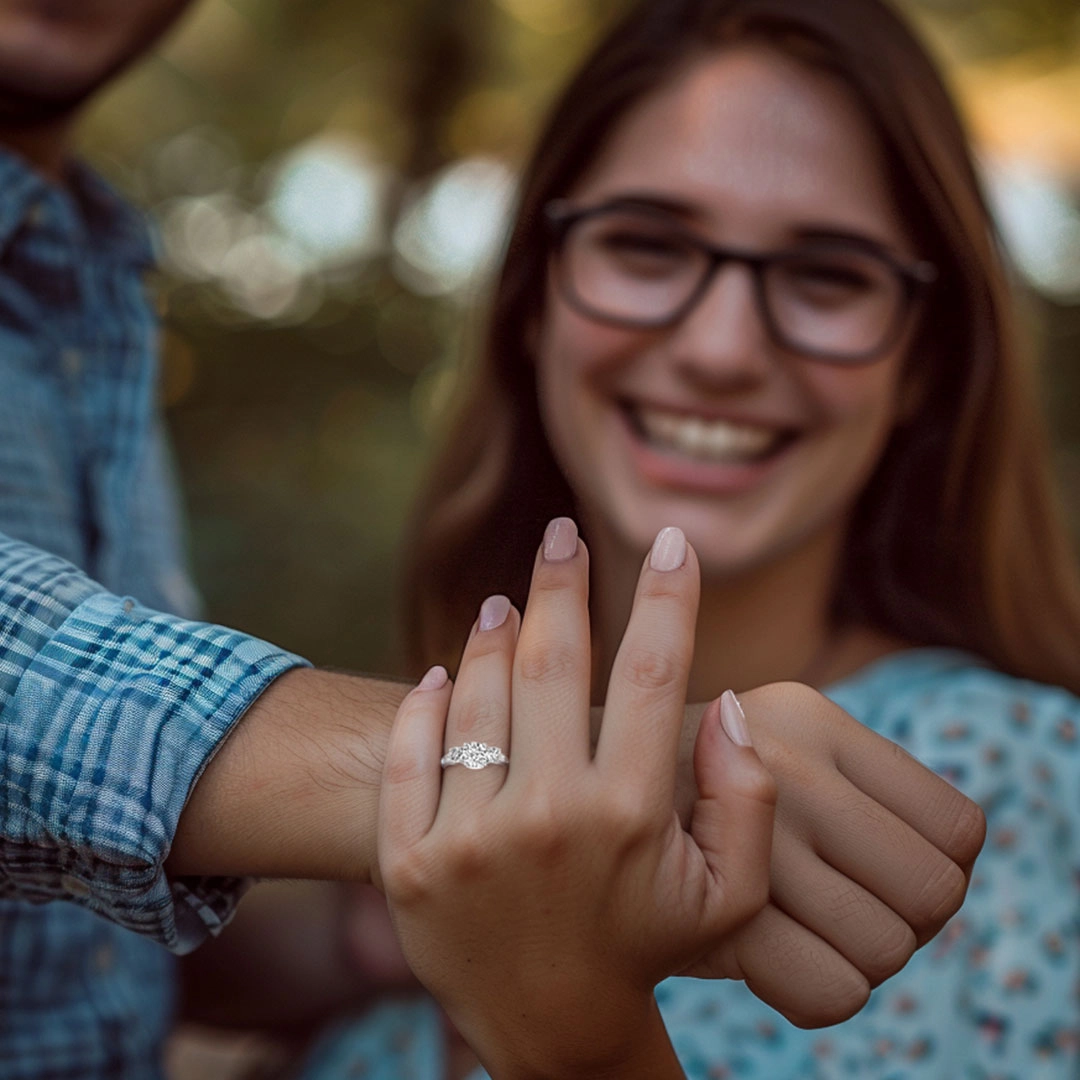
column 109, row 715
column 294, row 791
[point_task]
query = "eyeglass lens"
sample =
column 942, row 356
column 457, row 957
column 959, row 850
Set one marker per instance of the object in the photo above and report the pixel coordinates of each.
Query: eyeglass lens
column 830, row 299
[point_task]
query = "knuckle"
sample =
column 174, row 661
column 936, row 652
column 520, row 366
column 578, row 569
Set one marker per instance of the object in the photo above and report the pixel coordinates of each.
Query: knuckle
column 838, row 997
column 407, row 877
column 468, row 854
column 939, row 898
column 759, row 785
column 548, row 662
column 402, row 769
column 626, row 820
column 648, row 669
column 543, row 827
column 480, row 712
column 747, row 901
column 894, row 945
column 968, row 833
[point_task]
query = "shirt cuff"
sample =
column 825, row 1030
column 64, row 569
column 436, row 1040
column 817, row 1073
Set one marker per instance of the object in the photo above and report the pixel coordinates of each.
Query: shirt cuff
column 119, row 713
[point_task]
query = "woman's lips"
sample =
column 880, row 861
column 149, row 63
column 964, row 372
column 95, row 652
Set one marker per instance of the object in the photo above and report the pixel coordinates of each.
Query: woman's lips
column 695, row 453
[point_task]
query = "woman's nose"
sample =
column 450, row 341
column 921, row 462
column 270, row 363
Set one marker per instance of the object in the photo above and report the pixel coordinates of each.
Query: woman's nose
column 724, row 336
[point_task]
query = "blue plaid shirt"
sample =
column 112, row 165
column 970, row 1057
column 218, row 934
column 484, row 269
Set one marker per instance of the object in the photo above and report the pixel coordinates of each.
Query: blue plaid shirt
column 109, row 710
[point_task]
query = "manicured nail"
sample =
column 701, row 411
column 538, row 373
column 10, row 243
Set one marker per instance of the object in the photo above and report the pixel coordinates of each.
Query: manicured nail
column 669, row 549
column 493, row 612
column 560, row 540
column 435, row 679
column 734, row 719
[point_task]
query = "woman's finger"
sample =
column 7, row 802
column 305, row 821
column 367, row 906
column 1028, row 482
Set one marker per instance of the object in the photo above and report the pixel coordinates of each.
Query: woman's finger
column 732, row 820
column 643, row 711
column 863, row 929
column 796, row 972
column 933, row 807
column 874, row 848
column 409, row 793
column 480, row 708
column 552, row 665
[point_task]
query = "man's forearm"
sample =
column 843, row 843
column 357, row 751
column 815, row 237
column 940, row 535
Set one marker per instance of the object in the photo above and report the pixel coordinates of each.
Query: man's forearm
column 294, row 790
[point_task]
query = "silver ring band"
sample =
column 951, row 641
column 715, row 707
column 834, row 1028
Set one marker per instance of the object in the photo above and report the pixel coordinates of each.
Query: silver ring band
column 474, row 755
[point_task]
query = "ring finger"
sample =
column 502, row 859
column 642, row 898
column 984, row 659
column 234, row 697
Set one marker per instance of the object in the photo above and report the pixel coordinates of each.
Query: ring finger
column 480, row 707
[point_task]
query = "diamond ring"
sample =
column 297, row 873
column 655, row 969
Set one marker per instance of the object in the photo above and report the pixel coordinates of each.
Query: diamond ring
column 474, row 755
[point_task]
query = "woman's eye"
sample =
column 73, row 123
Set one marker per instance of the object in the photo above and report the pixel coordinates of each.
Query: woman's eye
column 835, row 280
column 640, row 245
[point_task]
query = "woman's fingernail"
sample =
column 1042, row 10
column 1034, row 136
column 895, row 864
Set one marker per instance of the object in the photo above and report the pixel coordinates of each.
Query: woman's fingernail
column 435, row 679
column 560, row 540
column 733, row 719
column 493, row 612
column 669, row 549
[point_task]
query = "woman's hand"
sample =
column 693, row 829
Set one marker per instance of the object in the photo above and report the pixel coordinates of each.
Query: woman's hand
column 542, row 901
column 872, row 854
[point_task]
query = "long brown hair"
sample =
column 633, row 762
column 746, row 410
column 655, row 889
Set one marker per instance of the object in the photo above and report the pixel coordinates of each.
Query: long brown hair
column 957, row 539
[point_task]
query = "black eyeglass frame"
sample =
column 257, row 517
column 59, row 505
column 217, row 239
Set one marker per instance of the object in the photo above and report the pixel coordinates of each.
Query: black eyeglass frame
column 560, row 217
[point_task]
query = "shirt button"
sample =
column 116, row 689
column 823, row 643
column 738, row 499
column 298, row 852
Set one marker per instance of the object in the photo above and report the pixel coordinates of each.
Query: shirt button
column 103, row 958
column 71, row 360
column 75, row 886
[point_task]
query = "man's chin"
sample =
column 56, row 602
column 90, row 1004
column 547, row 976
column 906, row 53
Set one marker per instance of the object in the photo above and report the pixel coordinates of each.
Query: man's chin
column 24, row 104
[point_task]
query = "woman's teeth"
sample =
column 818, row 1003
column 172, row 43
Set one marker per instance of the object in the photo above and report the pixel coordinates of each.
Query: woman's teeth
column 707, row 440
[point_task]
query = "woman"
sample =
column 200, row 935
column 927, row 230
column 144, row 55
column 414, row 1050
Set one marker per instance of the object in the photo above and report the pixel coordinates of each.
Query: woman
column 754, row 291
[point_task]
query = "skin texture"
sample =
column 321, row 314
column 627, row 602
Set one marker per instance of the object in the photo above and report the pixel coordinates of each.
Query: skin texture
column 643, row 894
column 758, row 151
column 856, row 880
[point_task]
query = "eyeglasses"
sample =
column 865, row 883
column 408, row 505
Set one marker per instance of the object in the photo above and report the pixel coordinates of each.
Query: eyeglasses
column 841, row 301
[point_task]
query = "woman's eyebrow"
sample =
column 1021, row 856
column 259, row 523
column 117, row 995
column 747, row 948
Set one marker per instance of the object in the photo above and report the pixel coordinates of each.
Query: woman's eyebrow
column 837, row 234
column 655, row 202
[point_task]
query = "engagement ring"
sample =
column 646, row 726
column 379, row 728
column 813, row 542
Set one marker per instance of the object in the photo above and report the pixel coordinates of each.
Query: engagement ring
column 474, row 755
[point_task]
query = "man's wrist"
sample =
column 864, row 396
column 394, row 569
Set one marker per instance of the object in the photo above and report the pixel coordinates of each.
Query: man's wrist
column 294, row 790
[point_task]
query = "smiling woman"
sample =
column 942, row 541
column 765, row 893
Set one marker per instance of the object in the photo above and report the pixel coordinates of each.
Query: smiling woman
column 753, row 291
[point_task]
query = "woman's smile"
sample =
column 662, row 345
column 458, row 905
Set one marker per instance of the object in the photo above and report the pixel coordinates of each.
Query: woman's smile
column 698, row 451
column 690, row 291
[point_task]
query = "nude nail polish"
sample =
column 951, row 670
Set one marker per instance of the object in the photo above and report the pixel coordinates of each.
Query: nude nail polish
column 668, row 550
column 493, row 612
column 733, row 719
column 560, row 540
column 435, row 679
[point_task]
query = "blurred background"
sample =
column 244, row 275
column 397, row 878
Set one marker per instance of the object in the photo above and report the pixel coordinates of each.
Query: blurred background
column 331, row 180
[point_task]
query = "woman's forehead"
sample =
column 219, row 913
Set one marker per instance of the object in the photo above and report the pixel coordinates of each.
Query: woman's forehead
column 749, row 135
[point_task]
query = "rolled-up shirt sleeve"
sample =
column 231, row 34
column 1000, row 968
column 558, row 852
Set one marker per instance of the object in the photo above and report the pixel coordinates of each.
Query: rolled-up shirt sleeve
column 109, row 712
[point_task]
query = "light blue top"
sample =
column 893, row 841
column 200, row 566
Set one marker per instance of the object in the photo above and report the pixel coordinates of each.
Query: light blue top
column 993, row 997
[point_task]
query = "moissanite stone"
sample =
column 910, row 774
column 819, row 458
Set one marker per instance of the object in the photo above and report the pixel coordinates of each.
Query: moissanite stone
column 474, row 755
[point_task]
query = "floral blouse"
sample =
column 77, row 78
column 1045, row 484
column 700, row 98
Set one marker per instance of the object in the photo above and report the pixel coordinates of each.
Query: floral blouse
column 993, row 997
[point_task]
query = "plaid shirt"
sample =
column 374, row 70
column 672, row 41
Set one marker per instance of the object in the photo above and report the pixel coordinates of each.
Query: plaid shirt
column 109, row 710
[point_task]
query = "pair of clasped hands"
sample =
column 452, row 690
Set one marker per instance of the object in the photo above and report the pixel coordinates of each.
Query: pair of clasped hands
column 541, row 902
